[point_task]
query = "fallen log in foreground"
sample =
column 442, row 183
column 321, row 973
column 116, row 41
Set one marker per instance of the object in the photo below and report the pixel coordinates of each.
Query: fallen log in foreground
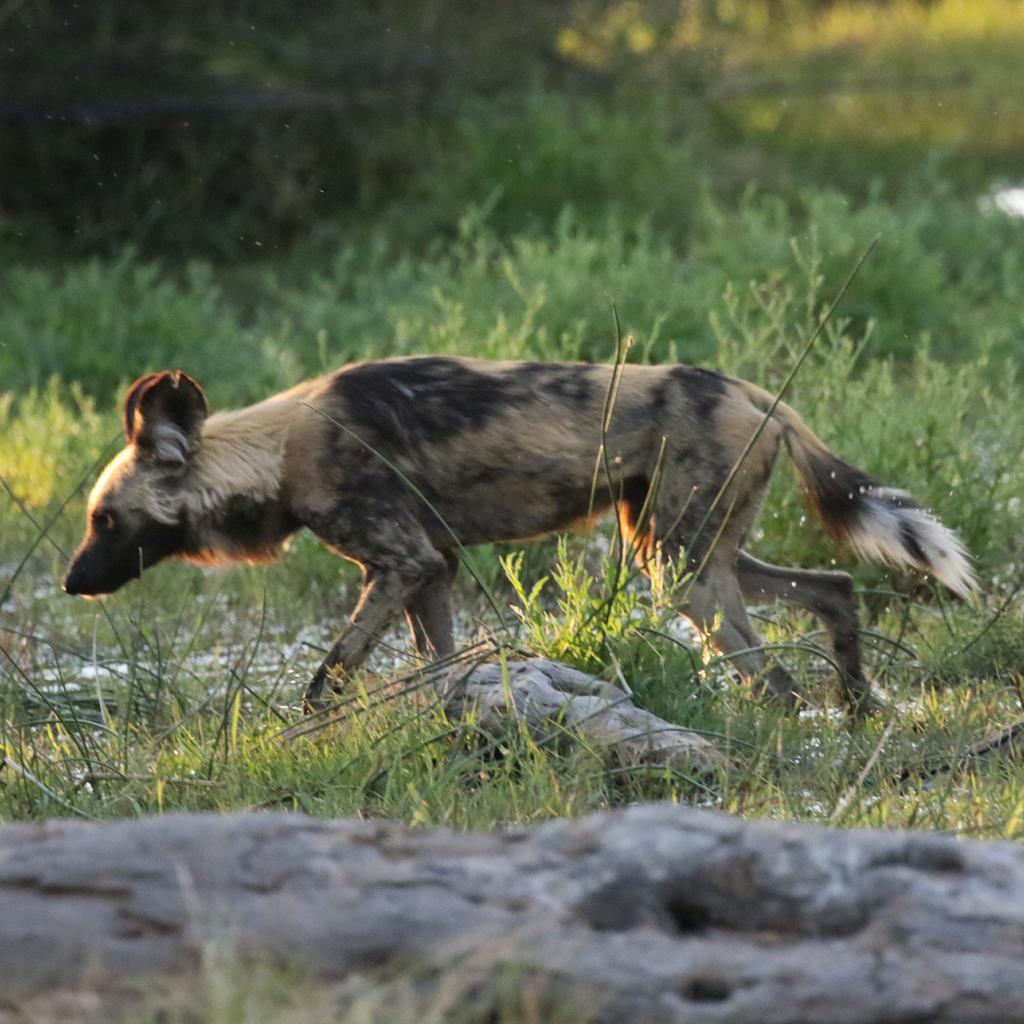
column 652, row 914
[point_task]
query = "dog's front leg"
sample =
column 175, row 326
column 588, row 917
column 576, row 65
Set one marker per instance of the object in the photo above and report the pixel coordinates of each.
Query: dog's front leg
column 429, row 613
column 386, row 590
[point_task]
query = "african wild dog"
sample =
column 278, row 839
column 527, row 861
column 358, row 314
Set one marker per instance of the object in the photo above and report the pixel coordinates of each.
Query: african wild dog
column 396, row 463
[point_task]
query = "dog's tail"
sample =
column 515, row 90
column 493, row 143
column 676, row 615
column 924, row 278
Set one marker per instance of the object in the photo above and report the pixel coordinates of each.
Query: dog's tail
column 880, row 523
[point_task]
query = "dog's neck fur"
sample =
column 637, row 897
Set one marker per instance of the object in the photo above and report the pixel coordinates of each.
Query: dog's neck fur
column 241, row 453
column 239, row 465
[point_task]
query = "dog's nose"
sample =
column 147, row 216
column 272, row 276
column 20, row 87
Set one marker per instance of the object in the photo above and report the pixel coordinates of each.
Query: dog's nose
column 72, row 583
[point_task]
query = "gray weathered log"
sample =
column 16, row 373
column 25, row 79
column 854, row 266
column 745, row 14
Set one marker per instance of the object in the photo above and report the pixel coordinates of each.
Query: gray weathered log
column 541, row 692
column 652, row 914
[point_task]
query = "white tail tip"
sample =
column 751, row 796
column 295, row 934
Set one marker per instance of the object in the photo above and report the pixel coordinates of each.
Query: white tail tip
column 892, row 529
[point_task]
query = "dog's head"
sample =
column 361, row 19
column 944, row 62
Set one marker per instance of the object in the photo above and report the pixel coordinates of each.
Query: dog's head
column 136, row 509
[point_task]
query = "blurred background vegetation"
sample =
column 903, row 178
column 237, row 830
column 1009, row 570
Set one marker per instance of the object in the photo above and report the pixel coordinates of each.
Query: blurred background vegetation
column 234, row 129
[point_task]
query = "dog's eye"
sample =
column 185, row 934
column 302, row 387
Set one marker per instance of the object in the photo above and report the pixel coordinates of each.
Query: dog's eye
column 103, row 519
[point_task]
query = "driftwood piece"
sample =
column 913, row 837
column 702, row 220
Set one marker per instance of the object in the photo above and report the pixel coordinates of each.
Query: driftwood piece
column 547, row 695
column 653, row 914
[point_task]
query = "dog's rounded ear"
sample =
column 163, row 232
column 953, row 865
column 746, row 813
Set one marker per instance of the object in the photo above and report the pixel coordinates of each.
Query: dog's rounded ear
column 164, row 414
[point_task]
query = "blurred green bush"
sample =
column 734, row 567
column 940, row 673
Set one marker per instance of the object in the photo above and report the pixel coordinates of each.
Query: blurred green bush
column 229, row 130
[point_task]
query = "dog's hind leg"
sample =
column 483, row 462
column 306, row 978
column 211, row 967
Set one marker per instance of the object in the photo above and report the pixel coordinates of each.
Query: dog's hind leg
column 686, row 523
column 827, row 594
column 715, row 605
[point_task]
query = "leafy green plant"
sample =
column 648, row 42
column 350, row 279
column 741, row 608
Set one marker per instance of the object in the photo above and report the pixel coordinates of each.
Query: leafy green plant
column 588, row 608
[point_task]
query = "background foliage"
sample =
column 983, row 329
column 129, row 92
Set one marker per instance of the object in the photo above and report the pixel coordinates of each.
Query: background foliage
column 230, row 129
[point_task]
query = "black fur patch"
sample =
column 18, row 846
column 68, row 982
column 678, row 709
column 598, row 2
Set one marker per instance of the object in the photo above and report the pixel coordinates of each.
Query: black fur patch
column 255, row 528
column 840, row 491
column 911, row 544
column 634, row 495
column 704, row 388
column 161, row 540
column 411, row 401
column 571, row 504
column 430, row 399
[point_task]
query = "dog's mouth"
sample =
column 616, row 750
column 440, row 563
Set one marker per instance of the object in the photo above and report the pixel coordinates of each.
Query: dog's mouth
column 80, row 582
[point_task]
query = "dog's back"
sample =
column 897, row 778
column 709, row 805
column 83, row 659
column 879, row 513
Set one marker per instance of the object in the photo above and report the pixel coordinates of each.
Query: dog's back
column 510, row 450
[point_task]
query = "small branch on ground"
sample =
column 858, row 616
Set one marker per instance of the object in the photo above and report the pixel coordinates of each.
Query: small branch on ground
column 547, row 695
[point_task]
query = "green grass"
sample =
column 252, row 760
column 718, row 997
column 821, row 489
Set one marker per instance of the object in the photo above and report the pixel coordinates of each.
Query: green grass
column 229, row 988
column 173, row 694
